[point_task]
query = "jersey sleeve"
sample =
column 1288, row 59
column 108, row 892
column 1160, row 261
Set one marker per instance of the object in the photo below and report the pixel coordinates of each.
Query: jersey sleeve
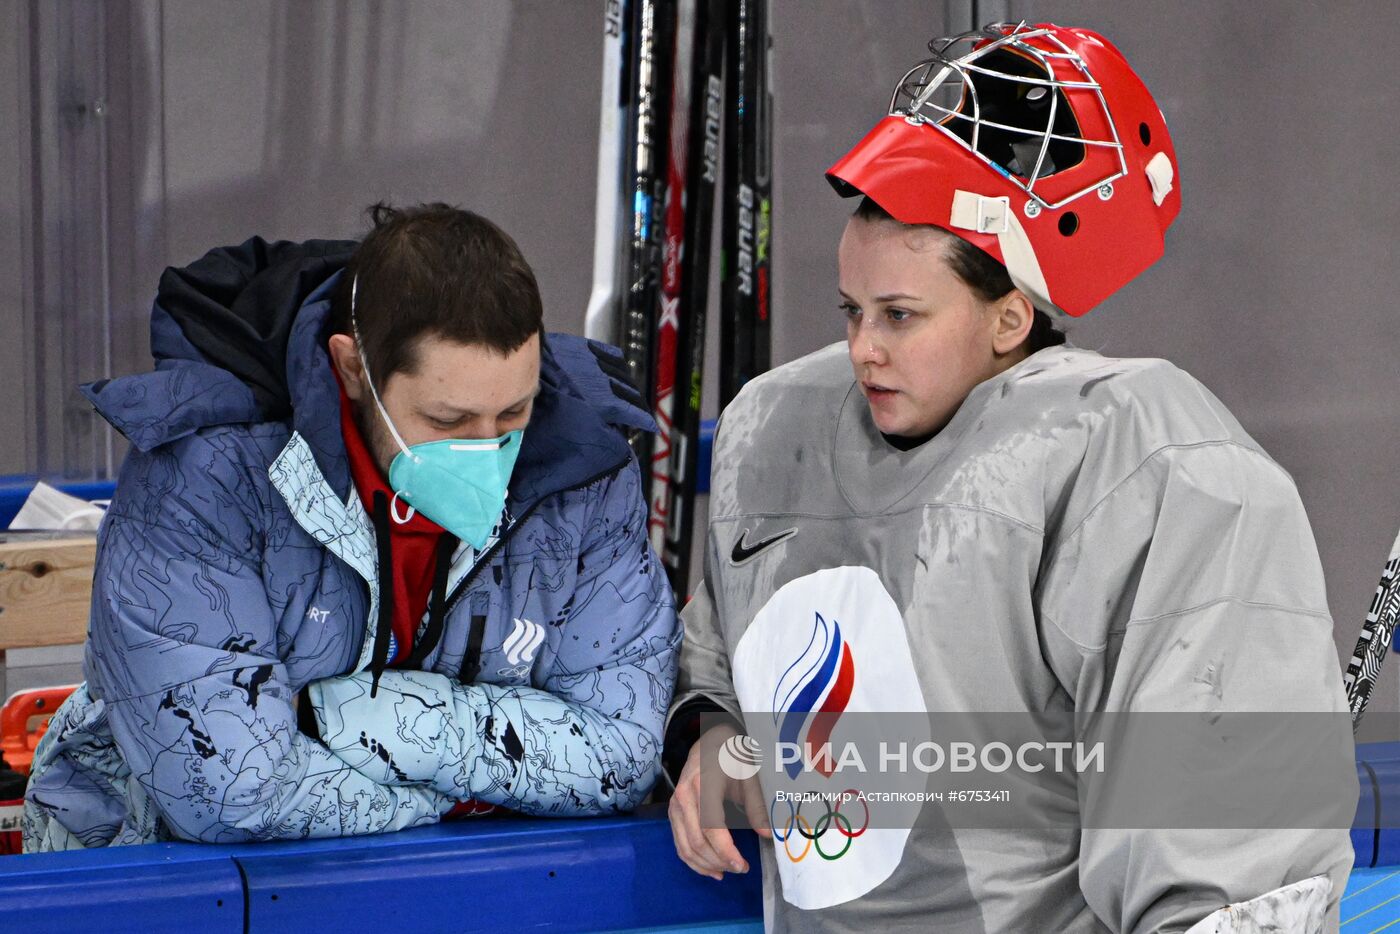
column 1193, row 588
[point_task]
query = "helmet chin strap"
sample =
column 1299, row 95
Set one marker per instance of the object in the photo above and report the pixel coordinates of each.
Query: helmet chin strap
column 985, row 215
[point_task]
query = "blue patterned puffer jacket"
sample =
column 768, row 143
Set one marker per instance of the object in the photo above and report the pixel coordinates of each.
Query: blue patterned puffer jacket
column 237, row 567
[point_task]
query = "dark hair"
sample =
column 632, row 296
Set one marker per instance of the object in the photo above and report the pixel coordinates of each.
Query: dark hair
column 980, row 272
column 435, row 270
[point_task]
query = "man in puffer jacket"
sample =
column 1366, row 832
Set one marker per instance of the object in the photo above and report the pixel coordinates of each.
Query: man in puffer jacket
column 378, row 552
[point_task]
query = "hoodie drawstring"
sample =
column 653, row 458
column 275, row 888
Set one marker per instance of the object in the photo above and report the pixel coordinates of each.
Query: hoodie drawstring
column 385, row 624
column 437, row 605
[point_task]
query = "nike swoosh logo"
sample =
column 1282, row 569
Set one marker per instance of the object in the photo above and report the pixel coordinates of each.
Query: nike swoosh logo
column 743, row 552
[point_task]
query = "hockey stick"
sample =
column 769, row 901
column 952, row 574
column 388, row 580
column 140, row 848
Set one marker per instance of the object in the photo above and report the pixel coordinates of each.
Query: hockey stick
column 702, row 179
column 744, row 321
column 673, row 248
column 1376, row 633
column 738, row 293
column 653, row 21
column 600, row 323
column 760, row 350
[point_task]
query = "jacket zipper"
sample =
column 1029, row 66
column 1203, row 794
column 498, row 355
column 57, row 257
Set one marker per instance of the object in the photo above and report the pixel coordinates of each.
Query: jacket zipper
column 484, row 559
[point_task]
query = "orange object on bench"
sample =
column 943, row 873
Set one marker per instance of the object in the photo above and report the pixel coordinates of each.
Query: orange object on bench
column 24, row 718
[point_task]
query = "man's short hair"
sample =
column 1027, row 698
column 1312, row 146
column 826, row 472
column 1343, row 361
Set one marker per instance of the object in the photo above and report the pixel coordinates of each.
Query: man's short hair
column 435, row 270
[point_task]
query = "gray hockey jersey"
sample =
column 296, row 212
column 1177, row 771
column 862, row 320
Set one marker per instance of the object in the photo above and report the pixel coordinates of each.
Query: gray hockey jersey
column 1086, row 534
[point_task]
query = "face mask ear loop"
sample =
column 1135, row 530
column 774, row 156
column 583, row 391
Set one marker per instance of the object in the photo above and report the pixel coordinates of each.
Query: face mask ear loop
column 394, row 512
column 364, row 363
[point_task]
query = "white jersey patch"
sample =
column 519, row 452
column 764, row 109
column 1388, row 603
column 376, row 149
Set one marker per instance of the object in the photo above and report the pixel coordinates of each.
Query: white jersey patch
column 825, row 645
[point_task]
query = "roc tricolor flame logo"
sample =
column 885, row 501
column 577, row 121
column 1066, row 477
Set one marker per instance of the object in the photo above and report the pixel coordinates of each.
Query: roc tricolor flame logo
column 813, row 693
column 816, row 694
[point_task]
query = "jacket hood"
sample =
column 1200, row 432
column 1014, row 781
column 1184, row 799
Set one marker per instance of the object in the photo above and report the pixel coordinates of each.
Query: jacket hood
column 220, row 330
column 239, row 337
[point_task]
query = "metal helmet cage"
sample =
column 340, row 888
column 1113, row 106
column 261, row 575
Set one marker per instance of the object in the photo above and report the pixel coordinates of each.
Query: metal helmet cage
column 1009, row 106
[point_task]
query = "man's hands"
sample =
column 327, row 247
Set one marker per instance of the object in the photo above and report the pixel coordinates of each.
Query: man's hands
column 405, row 736
column 711, row 851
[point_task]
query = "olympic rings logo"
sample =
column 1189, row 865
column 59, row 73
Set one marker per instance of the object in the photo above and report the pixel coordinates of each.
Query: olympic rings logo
column 798, row 826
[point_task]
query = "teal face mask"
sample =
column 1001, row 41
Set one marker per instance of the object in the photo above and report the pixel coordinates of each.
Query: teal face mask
column 459, row 484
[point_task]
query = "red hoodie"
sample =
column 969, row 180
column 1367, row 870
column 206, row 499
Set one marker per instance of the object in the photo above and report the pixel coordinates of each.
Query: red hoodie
column 412, row 543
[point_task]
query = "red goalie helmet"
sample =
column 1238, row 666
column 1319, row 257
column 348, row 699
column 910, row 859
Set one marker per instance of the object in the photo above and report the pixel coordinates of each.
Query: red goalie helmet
column 1038, row 144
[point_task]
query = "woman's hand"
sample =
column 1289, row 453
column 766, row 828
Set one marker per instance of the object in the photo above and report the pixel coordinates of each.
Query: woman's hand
column 710, row 850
